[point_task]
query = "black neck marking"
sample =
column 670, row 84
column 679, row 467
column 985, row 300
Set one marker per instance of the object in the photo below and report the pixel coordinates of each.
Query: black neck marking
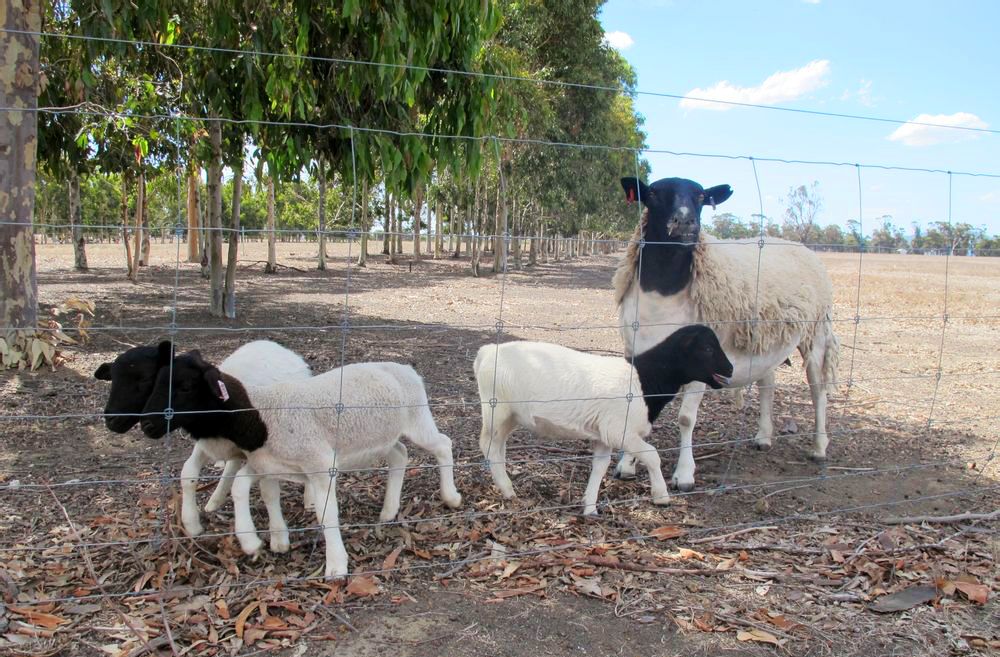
column 244, row 427
column 658, row 378
column 665, row 266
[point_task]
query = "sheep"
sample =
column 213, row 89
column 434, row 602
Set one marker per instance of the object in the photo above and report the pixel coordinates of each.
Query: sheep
column 132, row 375
column 674, row 274
column 558, row 392
column 345, row 418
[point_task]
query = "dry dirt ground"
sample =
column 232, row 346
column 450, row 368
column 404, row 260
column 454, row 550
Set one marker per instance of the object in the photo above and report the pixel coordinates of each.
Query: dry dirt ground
column 770, row 552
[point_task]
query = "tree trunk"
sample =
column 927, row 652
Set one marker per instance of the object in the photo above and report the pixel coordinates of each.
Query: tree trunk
column 234, row 238
column 536, row 237
column 418, row 200
column 363, row 254
column 272, row 257
column 192, row 210
column 76, row 221
column 18, row 144
column 387, row 223
column 475, row 222
column 398, row 230
column 452, row 216
column 321, row 179
column 438, row 223
column 133, row 272
column 516, row 240
column 144, row 257
column 216, row 305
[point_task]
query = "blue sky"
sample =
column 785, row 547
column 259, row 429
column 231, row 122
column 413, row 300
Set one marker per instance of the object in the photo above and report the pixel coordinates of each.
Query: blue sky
column 888, row 59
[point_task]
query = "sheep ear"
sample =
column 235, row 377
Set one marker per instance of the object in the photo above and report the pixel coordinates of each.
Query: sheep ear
column 635, row 190
column 103, row 372
column 716, row 195
column 164, row 352
column 215, row 383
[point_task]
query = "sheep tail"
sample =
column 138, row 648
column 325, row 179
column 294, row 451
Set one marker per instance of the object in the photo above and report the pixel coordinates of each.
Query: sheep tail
column 831, row 355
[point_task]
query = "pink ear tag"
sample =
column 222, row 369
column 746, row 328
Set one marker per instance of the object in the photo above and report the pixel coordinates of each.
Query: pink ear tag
column 223, row 393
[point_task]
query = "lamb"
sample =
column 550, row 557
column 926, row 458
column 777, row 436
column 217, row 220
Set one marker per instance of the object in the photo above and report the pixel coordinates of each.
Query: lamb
column 345, row 418
column 674, row 274
column 558, row 392
column 132, row 375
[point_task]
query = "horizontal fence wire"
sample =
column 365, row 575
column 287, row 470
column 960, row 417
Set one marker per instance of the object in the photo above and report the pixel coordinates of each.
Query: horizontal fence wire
column 163, row 533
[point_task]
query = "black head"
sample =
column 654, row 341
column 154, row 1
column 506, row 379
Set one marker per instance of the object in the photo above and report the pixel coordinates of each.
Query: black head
column 699, row 356
column 190, row 387
column 674, row 206
column 132, row 376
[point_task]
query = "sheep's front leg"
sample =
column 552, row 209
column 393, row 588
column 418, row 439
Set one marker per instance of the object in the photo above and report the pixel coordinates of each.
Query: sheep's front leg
column 598, row 468
column 246, row 532
column 765, row 428
column 225, row 484
column 308, row 498
column 817, row 387
column 650, row 459
column 692, row 393
column 190, row 516
column 270, row 491
column 325, row 490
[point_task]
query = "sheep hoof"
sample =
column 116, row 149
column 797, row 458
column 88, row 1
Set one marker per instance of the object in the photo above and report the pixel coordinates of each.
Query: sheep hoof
column 624, row 476
column 279, row 543
column 683, row 486
column 194, row 528
column 336, row 572
column 761, row 446
column 817, row 458
column 590, row 512
column 213, row 505
column 251, row 545
column 664, row 500
column 452, row 501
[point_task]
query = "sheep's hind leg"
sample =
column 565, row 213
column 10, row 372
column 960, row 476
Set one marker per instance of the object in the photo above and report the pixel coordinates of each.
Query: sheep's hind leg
column 765, row 426
column 599, row 467
column 439, row 445
column 225, row 484
column 493, row 445
column 397, row 459
column 817, row 387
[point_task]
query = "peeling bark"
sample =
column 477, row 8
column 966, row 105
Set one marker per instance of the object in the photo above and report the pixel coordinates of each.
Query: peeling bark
column 76, row 221
column 192, row 211
column 215, row 220
column 229, row 294
column 272, row 258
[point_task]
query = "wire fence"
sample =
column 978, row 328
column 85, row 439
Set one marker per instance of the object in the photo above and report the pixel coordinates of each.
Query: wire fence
column 29, row 496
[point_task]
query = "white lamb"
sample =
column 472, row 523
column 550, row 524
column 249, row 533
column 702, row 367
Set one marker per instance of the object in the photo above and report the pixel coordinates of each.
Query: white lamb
column 346, row 418
column 556, row 392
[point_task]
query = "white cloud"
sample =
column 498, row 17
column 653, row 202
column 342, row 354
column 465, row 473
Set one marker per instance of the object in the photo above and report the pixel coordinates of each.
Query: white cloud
column 618, row 40
column 811, row 2
column 778, row 88
column 923, row 135
column 990, row 197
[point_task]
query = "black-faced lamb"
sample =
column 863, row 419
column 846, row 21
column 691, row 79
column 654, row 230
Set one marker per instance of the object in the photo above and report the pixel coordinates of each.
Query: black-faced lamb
column 557, row 392
column 674, row 274
column 133, row 374
column 346, row 418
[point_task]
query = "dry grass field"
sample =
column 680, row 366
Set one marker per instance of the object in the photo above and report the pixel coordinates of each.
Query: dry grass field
column 770, row 553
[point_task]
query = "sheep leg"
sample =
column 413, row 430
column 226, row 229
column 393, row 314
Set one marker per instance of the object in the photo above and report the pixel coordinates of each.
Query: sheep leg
column 325, row 489
column 818, row 389
column 626, row 466
column 493, row 445
column 270, row 492
column 397, row 459
column 190, row 516
column 692, row 393
column 246, row 532
column 439, row 445
column 599, row 467
column 650, row 459
column 765, row 428
column 225, row 484
column 308, row 499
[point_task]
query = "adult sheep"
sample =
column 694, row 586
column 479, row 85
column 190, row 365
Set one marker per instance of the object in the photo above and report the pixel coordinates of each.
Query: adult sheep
column 133, row 374
column 674, row 274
